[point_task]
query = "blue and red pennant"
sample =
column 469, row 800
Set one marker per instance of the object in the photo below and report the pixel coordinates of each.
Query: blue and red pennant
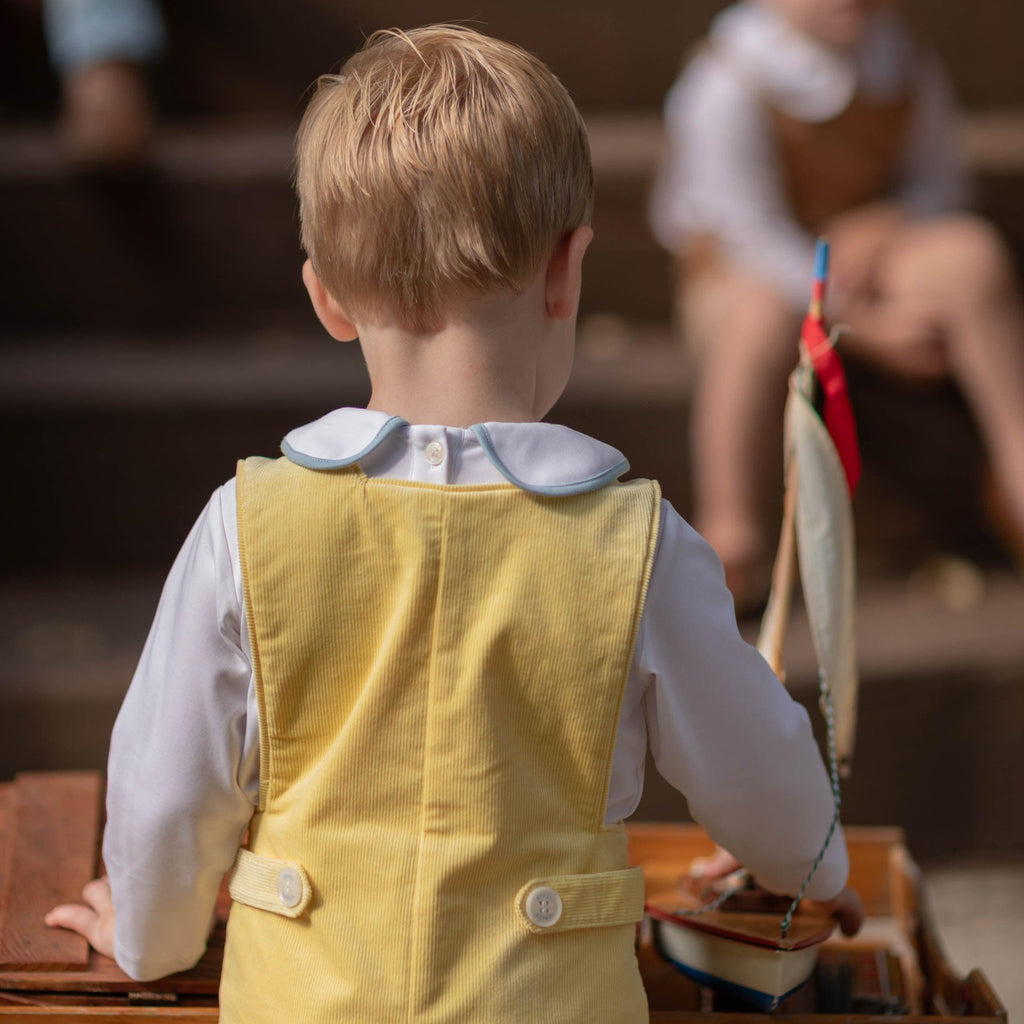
column 837, row 410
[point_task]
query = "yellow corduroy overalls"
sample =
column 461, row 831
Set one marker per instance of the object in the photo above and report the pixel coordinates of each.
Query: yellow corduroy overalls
column 439, row 672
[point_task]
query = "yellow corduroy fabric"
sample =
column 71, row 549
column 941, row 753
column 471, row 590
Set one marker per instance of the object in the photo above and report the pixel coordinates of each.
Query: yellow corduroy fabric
column 439, row 673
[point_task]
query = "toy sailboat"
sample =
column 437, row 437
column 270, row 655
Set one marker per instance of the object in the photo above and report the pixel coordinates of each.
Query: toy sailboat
column 763, row 953
column 741, row 953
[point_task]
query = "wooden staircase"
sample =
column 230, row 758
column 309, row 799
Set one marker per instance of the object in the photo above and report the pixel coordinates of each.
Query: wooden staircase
column 154, row 329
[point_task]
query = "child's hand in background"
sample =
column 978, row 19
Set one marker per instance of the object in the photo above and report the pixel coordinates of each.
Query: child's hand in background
column 94, row 921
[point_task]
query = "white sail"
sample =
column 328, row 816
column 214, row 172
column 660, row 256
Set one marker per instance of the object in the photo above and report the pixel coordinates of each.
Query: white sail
column 825, row 549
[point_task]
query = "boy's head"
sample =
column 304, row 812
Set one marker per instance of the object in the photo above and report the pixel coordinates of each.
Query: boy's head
column 836, row 23
column 438, row 165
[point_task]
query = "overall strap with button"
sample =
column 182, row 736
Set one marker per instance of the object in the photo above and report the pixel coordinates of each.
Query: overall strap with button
column 269, row 884
column 439, row 672
column 831, row 167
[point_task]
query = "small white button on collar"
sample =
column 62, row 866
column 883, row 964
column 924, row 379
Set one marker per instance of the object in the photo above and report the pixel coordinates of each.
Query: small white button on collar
column 289, row 886
column 543, row 906
column 434, row 453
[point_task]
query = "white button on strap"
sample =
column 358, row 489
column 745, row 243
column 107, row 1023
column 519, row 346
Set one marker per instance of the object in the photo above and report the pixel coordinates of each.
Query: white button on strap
column 543, row 906
column 289, row 886
column 434, row 453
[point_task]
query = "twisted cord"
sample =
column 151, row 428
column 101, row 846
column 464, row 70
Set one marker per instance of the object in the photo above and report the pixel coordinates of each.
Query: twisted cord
column 719, row 899
column 828, row 710
column 833, row 769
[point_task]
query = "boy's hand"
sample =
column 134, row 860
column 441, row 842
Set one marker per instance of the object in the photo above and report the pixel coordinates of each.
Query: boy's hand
column 95, row 922
column 847, row 908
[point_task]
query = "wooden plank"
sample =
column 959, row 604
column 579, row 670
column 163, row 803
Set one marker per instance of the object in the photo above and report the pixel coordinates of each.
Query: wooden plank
column 871, row 852
column 674, row 999
column 982, row 999
column 104, row 976
column 665, row 851
column 6, row 814
column 904, row 880
column 52, row 854
column 109, row 1015
column 665, row 843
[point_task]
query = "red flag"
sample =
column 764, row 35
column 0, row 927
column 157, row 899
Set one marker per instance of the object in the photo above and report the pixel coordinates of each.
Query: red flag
column 838, row 411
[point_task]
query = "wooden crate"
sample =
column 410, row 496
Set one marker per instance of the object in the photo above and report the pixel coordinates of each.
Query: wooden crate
column 49, row 849
column 897, row 927
column 49, row 843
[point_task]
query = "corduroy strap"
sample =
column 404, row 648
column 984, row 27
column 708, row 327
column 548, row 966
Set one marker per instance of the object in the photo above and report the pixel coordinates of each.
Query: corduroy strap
column 568, row 902
column 282, row 887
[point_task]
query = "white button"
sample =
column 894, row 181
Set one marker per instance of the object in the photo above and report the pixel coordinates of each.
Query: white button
column 544, row 906
column 289, row 886
column 434, row 453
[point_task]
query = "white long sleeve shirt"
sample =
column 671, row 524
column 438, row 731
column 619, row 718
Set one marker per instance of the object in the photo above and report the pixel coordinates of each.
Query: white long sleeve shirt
column 722, row 175
column 184, row 756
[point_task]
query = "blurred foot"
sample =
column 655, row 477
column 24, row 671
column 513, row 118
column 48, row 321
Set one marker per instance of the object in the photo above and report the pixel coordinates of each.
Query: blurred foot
column 949, row 581
column 106, row 120
column 749, row 580
column 1005, row 525
column 745, row 559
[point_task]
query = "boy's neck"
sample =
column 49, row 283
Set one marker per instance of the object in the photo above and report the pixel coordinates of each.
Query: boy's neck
column 840, row 30
column 499, row 360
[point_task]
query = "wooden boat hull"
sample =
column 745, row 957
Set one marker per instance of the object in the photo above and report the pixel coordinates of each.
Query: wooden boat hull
column 757, row 975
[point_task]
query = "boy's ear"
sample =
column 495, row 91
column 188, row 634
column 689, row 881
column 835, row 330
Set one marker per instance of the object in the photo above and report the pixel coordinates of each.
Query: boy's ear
column 330, row 314
column 565, row 274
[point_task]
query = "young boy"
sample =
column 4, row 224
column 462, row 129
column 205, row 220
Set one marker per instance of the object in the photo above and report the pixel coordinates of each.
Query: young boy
column 803, row 117
column 421, row 656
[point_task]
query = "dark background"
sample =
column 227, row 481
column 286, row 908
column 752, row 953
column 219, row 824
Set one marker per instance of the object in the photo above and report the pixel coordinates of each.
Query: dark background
column 153, row 329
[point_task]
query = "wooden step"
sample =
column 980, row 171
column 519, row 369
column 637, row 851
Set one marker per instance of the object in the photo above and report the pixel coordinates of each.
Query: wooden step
column 940, row 719
column 940, row 728
column 130, row 436
column 242, row 57
column 207, row 237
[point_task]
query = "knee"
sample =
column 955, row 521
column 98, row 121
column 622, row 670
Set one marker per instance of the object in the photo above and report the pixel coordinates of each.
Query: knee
column 971, row 259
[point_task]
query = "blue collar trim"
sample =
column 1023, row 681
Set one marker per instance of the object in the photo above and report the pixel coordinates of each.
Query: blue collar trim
column 371, row 430
column 389, row 426
column 592, row 483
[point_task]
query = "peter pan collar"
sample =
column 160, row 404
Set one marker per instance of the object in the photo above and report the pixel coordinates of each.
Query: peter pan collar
column 542, row 458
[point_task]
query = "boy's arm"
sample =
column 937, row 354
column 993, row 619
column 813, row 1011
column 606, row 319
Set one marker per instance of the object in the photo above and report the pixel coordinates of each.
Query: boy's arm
column 935, row 176
column 725, row 732
column 721, row 175
column 183, row 763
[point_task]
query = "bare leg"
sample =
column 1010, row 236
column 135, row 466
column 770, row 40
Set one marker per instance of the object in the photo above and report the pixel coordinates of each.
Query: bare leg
column 955, row 274
column 746, row 334
column 106, row 118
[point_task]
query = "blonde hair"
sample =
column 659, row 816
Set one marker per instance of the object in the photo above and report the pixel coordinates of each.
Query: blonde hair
column 438, row 163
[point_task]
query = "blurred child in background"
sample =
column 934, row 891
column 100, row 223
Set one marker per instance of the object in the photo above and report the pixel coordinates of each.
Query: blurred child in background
column 800, row 117
column 101, row 50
